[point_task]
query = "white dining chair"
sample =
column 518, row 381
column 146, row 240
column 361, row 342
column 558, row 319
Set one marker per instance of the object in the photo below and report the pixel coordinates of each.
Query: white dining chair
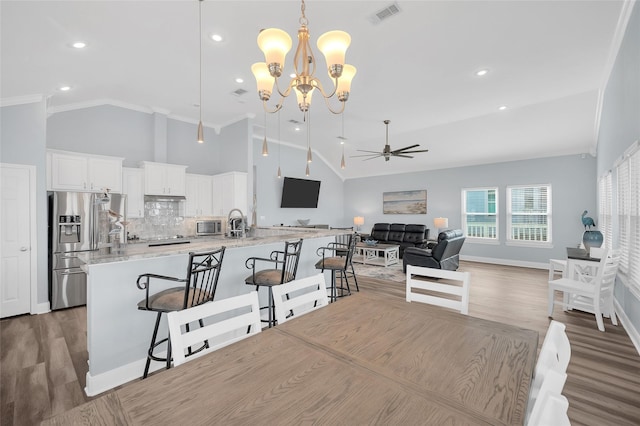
column 555, row 354
column 427, row 279
column 557, row 267
column 590, row 293
column 551, row 410
column 226, row 321
column 299, row 297
column 552, row 382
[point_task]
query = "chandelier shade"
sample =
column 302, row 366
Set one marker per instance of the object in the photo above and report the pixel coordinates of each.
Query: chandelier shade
column 275, row 44
column 333, row 45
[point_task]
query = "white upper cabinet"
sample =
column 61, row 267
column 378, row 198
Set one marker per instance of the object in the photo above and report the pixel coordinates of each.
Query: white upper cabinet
column 164, row 179
column 69, row 171
column 199, row 192
column 133, row 186
column 229, row 192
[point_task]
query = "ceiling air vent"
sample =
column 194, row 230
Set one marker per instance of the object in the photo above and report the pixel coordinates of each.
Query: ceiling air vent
column 292, row 121
column 387, row 12
column 238, row 92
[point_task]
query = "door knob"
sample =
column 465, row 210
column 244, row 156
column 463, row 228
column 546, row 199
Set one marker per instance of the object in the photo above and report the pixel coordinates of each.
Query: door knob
column 23, row 249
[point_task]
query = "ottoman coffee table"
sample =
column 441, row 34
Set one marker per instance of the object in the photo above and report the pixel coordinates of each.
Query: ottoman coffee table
column 379, row 254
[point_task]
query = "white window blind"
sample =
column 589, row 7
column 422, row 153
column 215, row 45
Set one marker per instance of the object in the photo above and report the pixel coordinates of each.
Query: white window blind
column 628, row 197
column 480, row 213
column 529, row 214
column 605, row 207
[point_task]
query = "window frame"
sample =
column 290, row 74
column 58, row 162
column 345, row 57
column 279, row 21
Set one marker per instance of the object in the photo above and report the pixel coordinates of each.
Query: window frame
column 483, row 240
column 549, row 214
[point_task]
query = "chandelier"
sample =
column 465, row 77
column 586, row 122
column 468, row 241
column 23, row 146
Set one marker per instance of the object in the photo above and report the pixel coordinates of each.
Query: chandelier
column 275, row 44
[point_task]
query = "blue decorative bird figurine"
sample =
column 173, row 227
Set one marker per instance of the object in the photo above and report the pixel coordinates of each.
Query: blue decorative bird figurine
column 587, row 221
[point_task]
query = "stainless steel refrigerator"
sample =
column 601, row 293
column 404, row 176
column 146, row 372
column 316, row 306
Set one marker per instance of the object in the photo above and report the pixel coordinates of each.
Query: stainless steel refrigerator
column 80, row 222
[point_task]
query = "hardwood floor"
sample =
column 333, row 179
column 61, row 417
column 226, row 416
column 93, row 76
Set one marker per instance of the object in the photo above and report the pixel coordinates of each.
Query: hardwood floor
column 43, row 358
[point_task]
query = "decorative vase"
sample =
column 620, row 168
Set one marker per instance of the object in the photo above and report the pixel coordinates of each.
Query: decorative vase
column 592, row 239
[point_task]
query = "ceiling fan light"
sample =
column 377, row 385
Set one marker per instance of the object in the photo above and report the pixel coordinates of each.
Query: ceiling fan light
column 333, row 45
column 275, row 44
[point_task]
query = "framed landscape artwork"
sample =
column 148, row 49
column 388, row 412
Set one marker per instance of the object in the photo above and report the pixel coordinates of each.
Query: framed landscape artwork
column 404, row 202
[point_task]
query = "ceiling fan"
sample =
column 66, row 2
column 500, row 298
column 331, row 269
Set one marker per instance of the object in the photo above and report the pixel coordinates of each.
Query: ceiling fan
column 388, row 153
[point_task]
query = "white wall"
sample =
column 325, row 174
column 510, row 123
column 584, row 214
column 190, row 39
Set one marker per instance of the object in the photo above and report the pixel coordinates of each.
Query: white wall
column 619, row 128
column 293, row 161
column 23, row 141
column 573, row 181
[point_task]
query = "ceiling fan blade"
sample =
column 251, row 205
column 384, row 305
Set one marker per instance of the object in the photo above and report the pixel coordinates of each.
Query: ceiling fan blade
column 406, row 147
column 367, row 159
column 364, row 150
column 402, row 155
column 367, row 155
column 413, row 152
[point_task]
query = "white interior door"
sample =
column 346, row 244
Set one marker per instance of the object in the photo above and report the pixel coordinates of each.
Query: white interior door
column 15, row 239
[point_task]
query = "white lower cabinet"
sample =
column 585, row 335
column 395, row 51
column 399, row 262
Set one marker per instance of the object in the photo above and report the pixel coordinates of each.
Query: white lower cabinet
column 199, row 193
column 133, row 186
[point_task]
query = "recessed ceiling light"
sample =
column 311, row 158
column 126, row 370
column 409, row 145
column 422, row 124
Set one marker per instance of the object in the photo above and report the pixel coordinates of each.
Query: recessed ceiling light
column 502, row 107
column 64, row 88
column 292, row 75
column 297, row 129
column 482, row 72
column 239, row 80
column 79, row 44
column 216, row 37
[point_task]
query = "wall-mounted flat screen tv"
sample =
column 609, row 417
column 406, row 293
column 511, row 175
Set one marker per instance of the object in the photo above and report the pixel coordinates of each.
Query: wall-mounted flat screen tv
column 301, row 193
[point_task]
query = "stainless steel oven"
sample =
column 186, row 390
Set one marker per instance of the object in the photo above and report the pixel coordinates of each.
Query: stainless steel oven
column 208, row 227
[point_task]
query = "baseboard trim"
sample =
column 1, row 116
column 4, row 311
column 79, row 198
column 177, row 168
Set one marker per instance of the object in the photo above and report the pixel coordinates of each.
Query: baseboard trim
column 119, row 376
column 632, row 332
column 506, row 262
column 42, row 308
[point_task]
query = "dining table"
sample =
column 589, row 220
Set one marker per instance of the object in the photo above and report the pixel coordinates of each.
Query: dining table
column 368, row 358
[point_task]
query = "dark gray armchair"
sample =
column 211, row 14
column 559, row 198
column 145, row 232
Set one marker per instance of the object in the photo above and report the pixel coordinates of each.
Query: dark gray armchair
column 445, row 254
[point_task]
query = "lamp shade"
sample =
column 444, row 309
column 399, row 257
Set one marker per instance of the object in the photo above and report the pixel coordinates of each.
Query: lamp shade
column 264, row 80
column 344, row 82
column 275, row 44
column 301, row 101
column 358, row 220
column 333, row 45
column 441, row 222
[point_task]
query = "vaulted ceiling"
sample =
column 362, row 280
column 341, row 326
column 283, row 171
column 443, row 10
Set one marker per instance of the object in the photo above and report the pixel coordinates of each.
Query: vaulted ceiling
column 547, row 62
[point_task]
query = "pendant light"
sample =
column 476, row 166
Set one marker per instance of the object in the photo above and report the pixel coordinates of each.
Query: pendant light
column 200, row 127
column 308, row 120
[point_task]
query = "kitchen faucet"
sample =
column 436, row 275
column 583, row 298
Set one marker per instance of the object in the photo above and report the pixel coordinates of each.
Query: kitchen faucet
column 235, row 225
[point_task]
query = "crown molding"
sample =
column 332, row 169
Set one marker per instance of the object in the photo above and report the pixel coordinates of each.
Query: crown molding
column 21, row 100
column 99, row 102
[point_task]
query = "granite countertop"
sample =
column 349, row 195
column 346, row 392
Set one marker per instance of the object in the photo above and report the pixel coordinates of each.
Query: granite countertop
column 141, row 250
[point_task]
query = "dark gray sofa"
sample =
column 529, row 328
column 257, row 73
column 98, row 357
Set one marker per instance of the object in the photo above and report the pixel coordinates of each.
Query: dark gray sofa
column 412, row 235
column 445, row 254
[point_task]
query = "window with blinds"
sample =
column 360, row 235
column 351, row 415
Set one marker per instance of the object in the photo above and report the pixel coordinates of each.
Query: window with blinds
column 480, row 213
column 605, row 206
column 628, row 205
column 529, row 214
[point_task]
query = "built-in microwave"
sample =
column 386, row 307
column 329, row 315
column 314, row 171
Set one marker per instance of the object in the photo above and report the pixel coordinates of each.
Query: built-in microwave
column 208, row 227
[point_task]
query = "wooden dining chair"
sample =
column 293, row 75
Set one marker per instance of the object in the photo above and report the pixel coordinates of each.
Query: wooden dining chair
column 550, row 411
column 225, row 321
column 299, row 297
column 590, row 293
column 455, row 295
column 198, row 287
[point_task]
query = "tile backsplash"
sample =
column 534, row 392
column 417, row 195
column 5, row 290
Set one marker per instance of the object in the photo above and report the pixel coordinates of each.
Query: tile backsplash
column 162, row 219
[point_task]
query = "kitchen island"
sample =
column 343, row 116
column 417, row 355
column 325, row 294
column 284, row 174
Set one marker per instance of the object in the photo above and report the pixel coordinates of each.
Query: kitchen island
column 118, row 334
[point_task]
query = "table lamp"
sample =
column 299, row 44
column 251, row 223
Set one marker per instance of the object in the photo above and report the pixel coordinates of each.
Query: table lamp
column 358, row 221
column 441, row 223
